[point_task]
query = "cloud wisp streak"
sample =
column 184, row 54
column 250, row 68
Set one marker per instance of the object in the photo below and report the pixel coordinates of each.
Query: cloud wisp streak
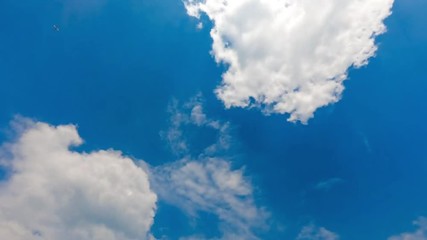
column 327, row 185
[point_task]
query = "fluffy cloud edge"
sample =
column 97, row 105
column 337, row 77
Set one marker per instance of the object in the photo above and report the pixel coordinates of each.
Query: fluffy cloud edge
column 68, row 194
column 287, row 56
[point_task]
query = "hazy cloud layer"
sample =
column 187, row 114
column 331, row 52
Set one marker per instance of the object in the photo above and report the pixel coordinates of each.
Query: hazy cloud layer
column 56, row 193
column 289, row 56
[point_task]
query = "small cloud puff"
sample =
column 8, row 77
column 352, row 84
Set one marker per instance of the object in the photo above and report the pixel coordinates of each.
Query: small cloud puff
column 312, row 232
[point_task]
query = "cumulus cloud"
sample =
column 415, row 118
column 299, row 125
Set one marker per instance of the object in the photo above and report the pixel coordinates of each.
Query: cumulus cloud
column 312, row 232
column 289, row 56
column 419, row 234
column 53, row 192
column 206, row 182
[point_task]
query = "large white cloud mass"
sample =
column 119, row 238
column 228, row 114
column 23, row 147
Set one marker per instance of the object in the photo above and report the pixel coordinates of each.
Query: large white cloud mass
column 56, row 193
column 419, row 234
column 290, row 56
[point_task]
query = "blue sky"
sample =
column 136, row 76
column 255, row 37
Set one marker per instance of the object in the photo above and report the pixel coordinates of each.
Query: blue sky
column 140, row 77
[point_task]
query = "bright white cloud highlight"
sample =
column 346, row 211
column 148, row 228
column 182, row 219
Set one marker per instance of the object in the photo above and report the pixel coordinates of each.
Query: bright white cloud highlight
column 56, row 193
column 290, row 56
column 419, row 234
column 312, row 232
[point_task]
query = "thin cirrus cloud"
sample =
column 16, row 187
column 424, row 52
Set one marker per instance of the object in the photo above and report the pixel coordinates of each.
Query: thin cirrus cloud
column 56, row 193
column 289, row 56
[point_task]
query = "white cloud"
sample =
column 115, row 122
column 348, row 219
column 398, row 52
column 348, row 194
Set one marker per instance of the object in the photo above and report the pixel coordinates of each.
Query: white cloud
column 211, row 185
column 289, row 56
column 312, row 232
column 207, row 182
column 56, row 193
column 419, row 234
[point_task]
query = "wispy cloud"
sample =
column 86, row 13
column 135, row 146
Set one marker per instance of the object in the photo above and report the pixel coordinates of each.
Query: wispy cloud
column 192, row 114
column 207, row 182
column 328, row 184
column 212, row 185
column 312, row 232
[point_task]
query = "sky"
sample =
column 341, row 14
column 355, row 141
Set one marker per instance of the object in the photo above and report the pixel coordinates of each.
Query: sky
column 209, row 119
